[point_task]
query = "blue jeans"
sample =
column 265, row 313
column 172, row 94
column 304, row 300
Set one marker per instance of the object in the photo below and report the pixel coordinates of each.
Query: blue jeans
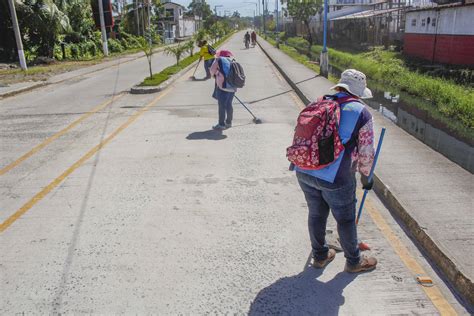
column 207, row 66
column 341, row 199
column 226, row 111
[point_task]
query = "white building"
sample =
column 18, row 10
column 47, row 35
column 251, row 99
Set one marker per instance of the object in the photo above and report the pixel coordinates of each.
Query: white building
column 175, row 24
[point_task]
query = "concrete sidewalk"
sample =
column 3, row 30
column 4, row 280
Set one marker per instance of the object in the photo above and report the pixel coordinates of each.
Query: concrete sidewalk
column 430, row 194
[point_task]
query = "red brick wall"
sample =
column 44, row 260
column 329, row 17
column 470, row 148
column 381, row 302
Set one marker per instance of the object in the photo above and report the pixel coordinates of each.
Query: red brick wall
column 450, row 49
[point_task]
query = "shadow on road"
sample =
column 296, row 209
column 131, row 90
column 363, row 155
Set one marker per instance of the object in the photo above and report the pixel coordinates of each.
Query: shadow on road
column 210, row 134
column 302, row 294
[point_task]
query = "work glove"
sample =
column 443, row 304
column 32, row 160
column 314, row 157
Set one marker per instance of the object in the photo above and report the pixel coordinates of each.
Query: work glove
column 366, row 184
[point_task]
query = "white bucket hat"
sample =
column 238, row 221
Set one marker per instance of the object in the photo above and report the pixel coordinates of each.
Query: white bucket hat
column 355, row 83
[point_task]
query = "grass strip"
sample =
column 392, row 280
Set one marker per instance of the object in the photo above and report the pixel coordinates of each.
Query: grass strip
column 43, row 72
column 447, row 102
column 166, row 73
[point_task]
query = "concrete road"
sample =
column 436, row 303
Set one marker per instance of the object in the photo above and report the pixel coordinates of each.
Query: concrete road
column 141, row 209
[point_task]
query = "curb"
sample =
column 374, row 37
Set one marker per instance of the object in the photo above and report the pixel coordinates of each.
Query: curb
column 136, row 89
column 461, row 283
column 47, row 83
column 22, row 90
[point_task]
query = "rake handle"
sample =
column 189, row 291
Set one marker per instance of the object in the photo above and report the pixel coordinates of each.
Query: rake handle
column 245, row 106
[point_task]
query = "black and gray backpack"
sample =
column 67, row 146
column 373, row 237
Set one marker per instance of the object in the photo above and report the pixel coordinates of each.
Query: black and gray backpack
column 236, row 76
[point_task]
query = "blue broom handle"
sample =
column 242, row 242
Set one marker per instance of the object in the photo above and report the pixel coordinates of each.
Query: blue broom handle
column 371, row 174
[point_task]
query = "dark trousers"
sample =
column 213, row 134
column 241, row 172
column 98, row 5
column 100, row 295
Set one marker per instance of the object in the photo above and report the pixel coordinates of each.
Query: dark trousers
column 207, row 66
column 341, row 199
column 226, row 111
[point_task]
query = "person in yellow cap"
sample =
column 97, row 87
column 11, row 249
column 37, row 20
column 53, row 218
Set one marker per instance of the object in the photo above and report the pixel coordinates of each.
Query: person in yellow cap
column 207, row 53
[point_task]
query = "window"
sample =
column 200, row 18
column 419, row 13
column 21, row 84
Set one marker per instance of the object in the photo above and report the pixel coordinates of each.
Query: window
column 433, row 22
column 423, row 22
column 413, row 22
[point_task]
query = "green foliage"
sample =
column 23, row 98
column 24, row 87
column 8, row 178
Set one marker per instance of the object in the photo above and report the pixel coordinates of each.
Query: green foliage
column 190, row 47
column 299, row 43
column 74, row 51
column 200, row 8
column 164, row 75
column 41, row 23
column 446, row 101
column 80, row 18
column 177, row 51
column 201, row 35
column 304, row 10
column 114, row 45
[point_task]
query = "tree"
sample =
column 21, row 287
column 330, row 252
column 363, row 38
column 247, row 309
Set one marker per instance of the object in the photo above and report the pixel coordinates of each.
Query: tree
column 177, row 51
column 79, row 13
column 190, row 47
column 42, row 22
column 200, row 8
column 304, row 10
column 147, row 48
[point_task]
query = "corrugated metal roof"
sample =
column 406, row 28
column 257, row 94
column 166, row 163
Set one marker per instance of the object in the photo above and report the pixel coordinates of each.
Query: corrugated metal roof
column 357, row 4
column 444, row 6
column 366, row 14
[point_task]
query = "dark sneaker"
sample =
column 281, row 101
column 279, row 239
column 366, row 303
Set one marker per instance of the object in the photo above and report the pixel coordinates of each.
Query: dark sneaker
column 228, row 125
column 365, row 264
column 319, row 264
column 218, row 127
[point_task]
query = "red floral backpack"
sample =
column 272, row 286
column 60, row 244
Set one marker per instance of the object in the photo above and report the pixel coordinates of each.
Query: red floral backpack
column 316, row 143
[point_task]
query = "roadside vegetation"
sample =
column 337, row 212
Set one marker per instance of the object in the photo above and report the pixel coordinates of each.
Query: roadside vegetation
column 165, row 74
column 446, row 101
column 59, row 36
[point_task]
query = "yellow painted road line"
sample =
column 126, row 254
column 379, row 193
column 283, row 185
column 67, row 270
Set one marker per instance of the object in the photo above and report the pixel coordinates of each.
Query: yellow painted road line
column 40, row 195
column 58, row 134
column 433, row 293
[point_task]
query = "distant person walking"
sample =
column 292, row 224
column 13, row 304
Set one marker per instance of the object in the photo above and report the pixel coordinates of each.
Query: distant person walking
column 207, row 54
column 247, row 39
column 253, row 36
column 333, row 186
column 223, row 91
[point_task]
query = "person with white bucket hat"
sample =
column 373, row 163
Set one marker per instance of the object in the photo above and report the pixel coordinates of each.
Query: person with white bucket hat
column 332, row 185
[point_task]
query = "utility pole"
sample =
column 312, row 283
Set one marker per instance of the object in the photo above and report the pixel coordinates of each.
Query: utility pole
column 263, row 17
column 276, row 4
column 16, row 30
column 137, row 17
column 324, row 59
column 105, row 48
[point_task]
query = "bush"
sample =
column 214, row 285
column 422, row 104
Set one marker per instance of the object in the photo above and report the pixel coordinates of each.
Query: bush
column 114, row 46
column 299, row 43
column 74, row 51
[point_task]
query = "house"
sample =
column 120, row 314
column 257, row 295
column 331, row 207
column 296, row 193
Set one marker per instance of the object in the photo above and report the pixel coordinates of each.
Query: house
column 441, row 34
column 175, row 24
column 363, row 22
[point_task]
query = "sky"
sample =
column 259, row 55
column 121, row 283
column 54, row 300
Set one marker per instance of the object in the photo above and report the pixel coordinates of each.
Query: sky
column 245, row 9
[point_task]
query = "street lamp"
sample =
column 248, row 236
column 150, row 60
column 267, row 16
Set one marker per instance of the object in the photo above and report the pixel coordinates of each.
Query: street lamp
column 324, row 59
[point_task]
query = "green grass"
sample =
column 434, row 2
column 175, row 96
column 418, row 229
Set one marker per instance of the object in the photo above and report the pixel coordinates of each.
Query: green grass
column 450, row 103
column 166, row 73
column 43, row 72
column 453, row 101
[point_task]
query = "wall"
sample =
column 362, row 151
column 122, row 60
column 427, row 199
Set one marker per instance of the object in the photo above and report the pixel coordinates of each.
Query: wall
column 444, row 35
column 187, row 27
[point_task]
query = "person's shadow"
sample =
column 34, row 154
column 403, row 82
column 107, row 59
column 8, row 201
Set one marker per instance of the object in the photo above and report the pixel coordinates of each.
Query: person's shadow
column 210, row 134
column 302, row 294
